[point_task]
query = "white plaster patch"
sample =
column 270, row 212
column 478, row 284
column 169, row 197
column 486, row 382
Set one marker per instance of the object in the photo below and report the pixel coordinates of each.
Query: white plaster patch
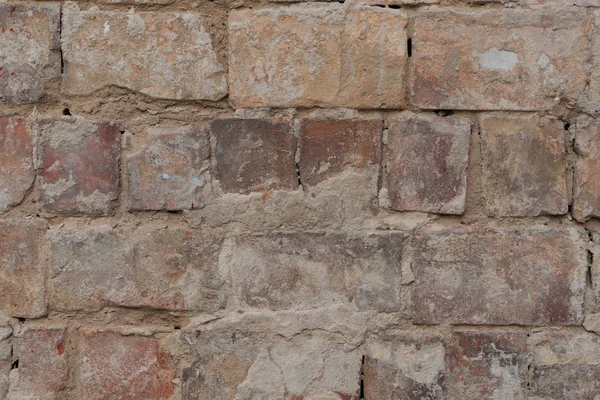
column 497, row 59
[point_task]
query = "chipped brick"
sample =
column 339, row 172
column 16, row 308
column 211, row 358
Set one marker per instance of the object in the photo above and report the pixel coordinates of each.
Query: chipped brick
column 16, row 161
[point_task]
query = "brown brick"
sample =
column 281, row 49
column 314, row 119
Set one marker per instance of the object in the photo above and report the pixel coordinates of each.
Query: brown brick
column 79, row 166
column 22, row 268
column 524, row 171
column 170, row 171
column 42, row 355
column 329, row 147
column 254, row 155
column 537, row 276
column 113, row 366
column 586, row 193
column 164, row 55
column 499, row 59
column 594, row 88
column 16, row 161
column 317, row 56
column 305, row 271
column 426, row 162
column 30, row 50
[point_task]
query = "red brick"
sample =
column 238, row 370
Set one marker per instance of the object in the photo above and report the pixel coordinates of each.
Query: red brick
column 254, row 155
column 537, row 276
column 113, row 366
column 42, row 355
column 170, row 171
column 30, row 50
column 425, row 162
column 22, row 267
column 329, row 147
column 586, row 193
column 499, row 59
column 16, row 161
column 79, row 166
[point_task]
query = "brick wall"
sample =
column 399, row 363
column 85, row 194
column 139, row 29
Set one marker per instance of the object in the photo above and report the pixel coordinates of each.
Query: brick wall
column 243, row 199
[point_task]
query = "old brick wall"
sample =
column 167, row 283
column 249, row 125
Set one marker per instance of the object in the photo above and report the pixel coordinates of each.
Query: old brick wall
column 254, row 199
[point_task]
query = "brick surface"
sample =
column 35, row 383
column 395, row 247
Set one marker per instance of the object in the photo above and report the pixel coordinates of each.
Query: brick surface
column 317, row 56
column 78, row 165
column 164, row 55
column 329, row 147
column 254, row 155
column 305, row 271
column 22, row 267
column 170, row 171
column 537, row 276
column 524, row 170
column 16, row 161
column 499, row 59
column 43, row 370
column 113, row 366
column 586, row 193
column 594, row 88
column 30, row 50
column 594, row 268
column 425, row 163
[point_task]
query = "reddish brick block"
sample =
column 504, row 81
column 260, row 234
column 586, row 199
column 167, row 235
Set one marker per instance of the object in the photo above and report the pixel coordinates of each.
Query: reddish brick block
column 169, row 172
column 509, row 59
column 42, row 355
column 22, row 268
column 319, row 55
column 524, row 169
column 161, row 54
column 16, row 161
column 30, row 50
column 329, row 147
column 537, row 276
column 254, row 155
column 426, row 164
column 304, row 271
column 79, row 166
column 586, row 193
column 113, row 366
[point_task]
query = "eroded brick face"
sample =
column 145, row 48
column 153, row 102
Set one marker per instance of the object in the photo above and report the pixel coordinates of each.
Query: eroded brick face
column 586, row 193
column 16, row 161
column 78, row 165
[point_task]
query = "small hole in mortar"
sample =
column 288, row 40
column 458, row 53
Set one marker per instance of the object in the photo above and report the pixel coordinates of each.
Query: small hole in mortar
column 567, row 126
column 66, row 111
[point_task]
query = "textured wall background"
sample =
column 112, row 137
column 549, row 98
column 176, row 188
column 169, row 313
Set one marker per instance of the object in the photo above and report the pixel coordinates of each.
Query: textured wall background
column 240, row 199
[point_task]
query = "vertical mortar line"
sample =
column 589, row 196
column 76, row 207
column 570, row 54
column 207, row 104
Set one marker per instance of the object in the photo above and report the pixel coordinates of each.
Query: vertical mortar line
column 588, row 275
column 60, row 35
column 383, row 145
column 297, row 150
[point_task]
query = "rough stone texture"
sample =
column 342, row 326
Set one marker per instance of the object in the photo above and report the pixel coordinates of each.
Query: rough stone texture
column 114, row 366
column 16, row 161
column 164, row 55
column 43, row 370
column 329, row 147
column 163, row 269
column 537, row 275
column 78, row 165
column 30, row 50
column 499, row 59
column 317, row 56
column 426, row 164
column 524, row 169
column 254, row 155
column 22, row 267
column 594, row 88
column 171, row 170
column 302, row 271
column 586, row 193
column 594, row 268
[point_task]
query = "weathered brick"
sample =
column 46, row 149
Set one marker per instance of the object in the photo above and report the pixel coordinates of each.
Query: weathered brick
column 537, row 275
column 425, row 162
column 254, row 155
column 304, row 271
column 113, row 366
column 30, row 50
column 163, row 269
column 329, row 147
column 16, row 161
column 594, row 87
column 170, row 171
column 317, row 56
column 42, row 359
column 499, row 59
column 594, row 268
column 22, row 267
column 524, row 170
column 586, row 192
column 164, row 55
column 79, row 165
column 400, row 368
